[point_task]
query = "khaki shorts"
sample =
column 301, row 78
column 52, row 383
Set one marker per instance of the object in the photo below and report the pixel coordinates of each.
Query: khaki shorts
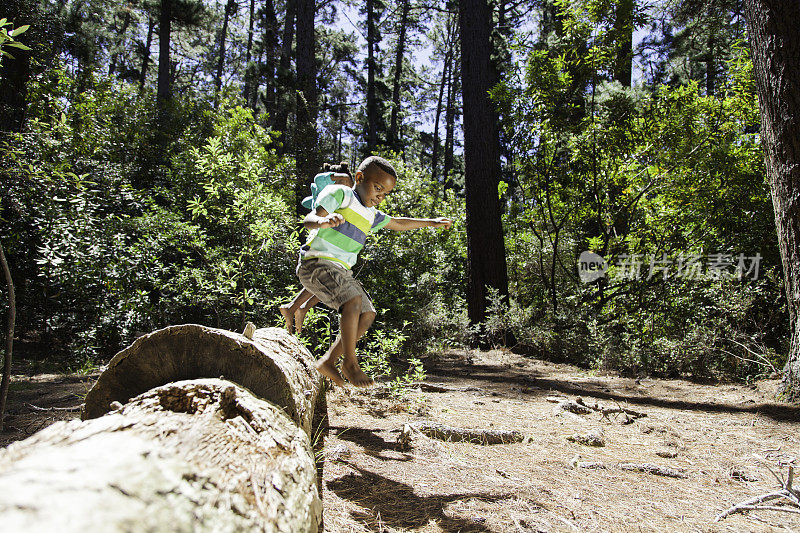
column 332, row 284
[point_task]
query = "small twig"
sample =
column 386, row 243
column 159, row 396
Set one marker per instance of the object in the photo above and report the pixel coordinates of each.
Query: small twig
column 52, row 409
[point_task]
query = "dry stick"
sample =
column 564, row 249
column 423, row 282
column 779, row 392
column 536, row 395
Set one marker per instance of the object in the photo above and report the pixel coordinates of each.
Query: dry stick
column 51, row 409
column 605, row 411
column 752, row 504
column 12, row 313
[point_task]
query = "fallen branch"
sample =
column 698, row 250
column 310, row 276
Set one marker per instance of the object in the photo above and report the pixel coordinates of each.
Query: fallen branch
column 656, row 470
column 439, row 431
column 786, row 492
column 51, row 409
column 606, row 411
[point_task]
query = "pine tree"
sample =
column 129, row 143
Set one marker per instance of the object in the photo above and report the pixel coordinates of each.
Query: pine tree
column 485, row 244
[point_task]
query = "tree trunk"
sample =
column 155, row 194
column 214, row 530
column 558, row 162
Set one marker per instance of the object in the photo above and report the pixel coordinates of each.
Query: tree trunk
column 201, row 456
column 249, row 68
column 151, row 23
column 12, row 315
column 775, row 44
column 623, row 26
column 284, row 70
column 372, row 102
column 305, row 141
column 229, row 7
column 485, row 246
column 448, row 56
column 449, row 126
column 398, row 74
column 267, row 70
column 164, row 87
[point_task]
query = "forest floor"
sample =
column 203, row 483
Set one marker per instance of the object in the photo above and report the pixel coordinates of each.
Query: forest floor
column 725, row 441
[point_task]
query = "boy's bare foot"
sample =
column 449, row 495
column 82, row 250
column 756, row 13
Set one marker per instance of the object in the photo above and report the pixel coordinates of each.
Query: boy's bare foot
column 287, row 316
column 328, row 369
column 299, row 316
column 356, row 376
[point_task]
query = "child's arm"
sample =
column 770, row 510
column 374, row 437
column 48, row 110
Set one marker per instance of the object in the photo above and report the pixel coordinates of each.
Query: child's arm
column 322, row 219
column 405, row 224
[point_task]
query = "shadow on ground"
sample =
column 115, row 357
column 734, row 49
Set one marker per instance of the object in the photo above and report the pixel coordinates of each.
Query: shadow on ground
column 533, row 383
column 395, row 504
column 372, row 443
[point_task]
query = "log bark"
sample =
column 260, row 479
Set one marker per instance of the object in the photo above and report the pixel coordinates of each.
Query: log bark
column 200, row 455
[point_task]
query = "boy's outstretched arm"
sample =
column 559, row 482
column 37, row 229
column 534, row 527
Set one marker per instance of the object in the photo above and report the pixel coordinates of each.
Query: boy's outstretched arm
column 405, row 224
column 322, row 219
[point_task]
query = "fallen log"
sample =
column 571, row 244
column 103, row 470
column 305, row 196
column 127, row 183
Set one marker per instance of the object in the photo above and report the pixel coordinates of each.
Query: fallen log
column 274, row 366
column 167, row 443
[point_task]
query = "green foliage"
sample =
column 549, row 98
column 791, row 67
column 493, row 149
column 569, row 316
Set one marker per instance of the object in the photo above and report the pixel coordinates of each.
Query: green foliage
column 103, row 258
column 663, row 173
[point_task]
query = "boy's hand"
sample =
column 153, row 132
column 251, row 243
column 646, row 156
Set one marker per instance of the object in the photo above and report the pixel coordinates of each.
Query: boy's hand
column 331, row 221
column 442, row 222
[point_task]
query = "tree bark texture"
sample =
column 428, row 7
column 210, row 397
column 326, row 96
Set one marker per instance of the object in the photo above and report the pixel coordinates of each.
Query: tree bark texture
column 485, row 246
column 775, row 44
column 192, row 456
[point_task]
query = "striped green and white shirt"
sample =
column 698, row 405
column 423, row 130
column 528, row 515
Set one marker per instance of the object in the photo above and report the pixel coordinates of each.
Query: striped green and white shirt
column 343, row 243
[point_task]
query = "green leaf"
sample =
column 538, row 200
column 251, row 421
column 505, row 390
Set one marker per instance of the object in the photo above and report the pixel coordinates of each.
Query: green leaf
column 21, row 29
column 17, row 45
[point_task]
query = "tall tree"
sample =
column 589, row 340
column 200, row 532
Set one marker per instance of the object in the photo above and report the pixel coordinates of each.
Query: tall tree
column 485, row 245
column 775, row 44
column 173, row 12
column 394, row 136
column 623, row 31
column 164, row 84
column 145, row 50
column 284, row 67
column 230, row 8
column 305, row 140
column 374, row 8
column 449, row 38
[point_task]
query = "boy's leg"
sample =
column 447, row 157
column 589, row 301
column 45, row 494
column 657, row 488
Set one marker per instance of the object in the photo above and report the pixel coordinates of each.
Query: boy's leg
column 327, row 364
column 288, row 310
column 348, row 330
column 300, row 314
column 350, row 368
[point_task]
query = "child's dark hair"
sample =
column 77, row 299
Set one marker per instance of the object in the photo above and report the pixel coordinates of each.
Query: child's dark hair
column 380, row 162
column 341, row 168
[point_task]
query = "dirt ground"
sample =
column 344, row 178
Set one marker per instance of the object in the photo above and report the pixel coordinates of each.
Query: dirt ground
column 726, row 441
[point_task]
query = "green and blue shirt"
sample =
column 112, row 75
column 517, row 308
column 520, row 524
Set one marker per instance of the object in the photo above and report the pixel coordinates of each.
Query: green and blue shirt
column 343, row 243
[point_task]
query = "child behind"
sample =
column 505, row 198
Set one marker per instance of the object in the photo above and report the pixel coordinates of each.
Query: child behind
column 342, row 219
column 295, row 311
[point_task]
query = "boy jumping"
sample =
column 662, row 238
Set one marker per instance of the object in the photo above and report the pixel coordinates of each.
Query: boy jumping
column 343, row 218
